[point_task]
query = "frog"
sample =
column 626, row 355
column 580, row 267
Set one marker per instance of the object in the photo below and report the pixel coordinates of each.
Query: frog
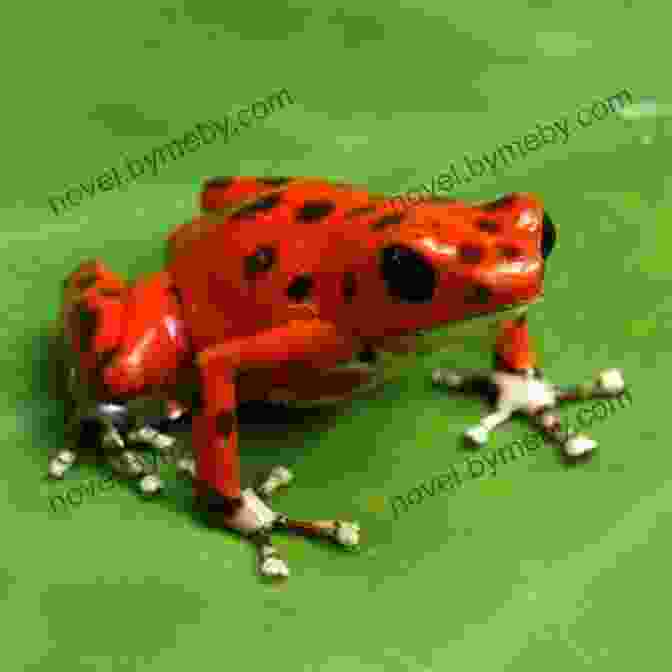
column 293, row 290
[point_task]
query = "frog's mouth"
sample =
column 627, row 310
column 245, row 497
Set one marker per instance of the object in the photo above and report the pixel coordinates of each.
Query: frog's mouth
column 508, row 311
column 443, row 335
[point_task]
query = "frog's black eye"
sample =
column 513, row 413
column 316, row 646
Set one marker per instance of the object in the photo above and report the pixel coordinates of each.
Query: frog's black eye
column 548, row 237
column 408, row 275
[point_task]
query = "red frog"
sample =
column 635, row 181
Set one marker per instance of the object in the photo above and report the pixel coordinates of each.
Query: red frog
column 290, row 289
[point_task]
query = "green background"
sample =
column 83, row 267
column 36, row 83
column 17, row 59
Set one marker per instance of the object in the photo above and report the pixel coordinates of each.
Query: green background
column 542, row 567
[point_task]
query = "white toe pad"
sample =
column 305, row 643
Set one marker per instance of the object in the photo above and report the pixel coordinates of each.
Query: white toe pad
column 274, row 567
column 151, row 484
column 347, row 534
column 611, row 381
column 477, row 435
column 446, row 377
column 579, row 445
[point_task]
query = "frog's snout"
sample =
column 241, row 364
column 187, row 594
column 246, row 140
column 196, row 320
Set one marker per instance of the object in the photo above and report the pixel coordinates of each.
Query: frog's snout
column 408, row 275
column 548, row 236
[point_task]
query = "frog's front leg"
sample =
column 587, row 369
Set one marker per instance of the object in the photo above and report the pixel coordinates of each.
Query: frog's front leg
column 516, row 386
column 215, row 435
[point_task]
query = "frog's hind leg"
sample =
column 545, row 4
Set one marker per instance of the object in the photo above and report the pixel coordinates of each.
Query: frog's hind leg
column 89, row 327
column 94, row 322
column 106, row 424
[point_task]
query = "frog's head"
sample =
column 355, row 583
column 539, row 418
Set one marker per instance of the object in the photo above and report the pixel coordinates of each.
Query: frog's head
column 446, row 262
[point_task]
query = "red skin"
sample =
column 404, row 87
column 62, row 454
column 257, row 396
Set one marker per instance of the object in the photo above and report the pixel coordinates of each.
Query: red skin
column 221, row 315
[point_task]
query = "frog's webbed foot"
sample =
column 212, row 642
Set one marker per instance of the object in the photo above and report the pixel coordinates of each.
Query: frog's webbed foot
column 113, row 421
column 527, row 392
column 252, row 516
column 165, row 446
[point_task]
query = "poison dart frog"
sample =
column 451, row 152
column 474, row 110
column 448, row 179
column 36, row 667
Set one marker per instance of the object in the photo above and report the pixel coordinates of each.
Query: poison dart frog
column 291, row 289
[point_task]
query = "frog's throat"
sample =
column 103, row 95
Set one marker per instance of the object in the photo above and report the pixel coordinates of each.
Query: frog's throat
column 510, row 311
column 514, row 309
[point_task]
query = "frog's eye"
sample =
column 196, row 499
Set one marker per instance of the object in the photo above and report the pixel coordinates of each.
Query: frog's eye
column 408, row 275
column 548, row 237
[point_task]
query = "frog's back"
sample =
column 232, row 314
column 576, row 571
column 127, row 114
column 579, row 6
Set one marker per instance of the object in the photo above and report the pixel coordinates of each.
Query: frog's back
column 263, row 252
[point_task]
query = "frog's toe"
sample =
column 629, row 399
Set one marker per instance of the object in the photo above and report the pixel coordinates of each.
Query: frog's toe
column 273, row 567
column 343, row 533
column 151, row 484
column 346, row 534
column 280, row 477
column 186, row 466
column 112, row 439
column 447, row 378
column 579, row 445
column 131, row 466
column 60, row 463
column 270, row 564
column 149, row 436
column 611, row 382
column 477, row 435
